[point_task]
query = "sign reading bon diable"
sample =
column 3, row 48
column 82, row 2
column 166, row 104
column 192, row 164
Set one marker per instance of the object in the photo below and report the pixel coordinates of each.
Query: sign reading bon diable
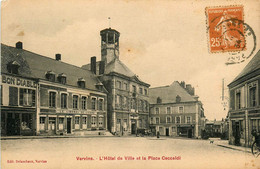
column 18, row 81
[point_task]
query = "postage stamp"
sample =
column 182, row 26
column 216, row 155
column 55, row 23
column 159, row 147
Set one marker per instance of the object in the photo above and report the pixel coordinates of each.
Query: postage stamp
column 225, row 29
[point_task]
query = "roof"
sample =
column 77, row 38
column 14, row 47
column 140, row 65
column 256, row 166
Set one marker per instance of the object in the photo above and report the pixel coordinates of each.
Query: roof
column 168, row 94
column 252, row 66
column 116, row 66
column 36, row 66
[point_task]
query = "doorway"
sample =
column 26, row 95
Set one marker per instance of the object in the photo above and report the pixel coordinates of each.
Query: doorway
column 190, row 133
column 68, row 125
column 133, row 128
column 13, row 124
column 167, row 131
column 237, row 134
column 52, row 125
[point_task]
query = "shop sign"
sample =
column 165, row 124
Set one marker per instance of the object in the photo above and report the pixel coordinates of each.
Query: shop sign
column 18, row 81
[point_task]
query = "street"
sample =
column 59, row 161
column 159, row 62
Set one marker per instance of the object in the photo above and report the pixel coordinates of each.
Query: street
column 121, row 152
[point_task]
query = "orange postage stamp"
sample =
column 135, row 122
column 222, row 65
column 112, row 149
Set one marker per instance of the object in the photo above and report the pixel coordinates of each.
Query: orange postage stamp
column 225, row 29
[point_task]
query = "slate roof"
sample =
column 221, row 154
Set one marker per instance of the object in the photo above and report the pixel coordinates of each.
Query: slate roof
column 252, row 66
column 116, row 66
column 168, row 94
column 35, row 66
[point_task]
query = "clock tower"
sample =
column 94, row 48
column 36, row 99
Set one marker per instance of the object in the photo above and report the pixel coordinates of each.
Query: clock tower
column 109, row 45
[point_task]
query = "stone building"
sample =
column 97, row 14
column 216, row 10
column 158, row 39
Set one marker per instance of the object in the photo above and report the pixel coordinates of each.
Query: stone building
column 244, row 112
column 176, row 111
column 45, row 96
column 128, row 95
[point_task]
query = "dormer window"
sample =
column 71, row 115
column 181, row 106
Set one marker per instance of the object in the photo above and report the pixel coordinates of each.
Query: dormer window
column 99, row 86
column 12, row 67
column 159, row 100
column 178, row 99
column 62, row 78
column 50, row 75
column 81, row 82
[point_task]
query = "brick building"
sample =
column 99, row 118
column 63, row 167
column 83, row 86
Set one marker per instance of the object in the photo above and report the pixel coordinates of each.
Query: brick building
column 244, row 112
column 44, row 96
column 175, row 111
column 127, row 95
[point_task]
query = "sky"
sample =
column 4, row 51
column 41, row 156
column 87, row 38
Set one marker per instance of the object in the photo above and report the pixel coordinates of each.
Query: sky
column 160, row 41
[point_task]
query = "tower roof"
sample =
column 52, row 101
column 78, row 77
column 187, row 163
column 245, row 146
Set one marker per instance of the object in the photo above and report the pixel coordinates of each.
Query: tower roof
column 109, row 30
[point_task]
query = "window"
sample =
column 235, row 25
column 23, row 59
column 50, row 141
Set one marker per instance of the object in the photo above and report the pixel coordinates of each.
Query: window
column 13, row 67
column 52, row 99
column 147, row 105
column 118, row 84
column 133, row 104
column 50, row 75
column 238, row 99
column 125, row 86
column 84, row 102
column 75, row 101
column 61, row 120
column 26, row 123
column 13, row 96
column 100, row 104
column 84, row 120
column 81, row 82
column 151, row 120
column 93, row 103
column 63, row 103
column 188, row 119
column 42, row 120
column 140, row 123
column 141, row 90
column 157, row 110
column 134, row 89
column 76, row 120
column 125, row 102
column 157, row 120
column 93, row 121
column 120, row 101
column 100, row 121
column 181, row 109
column 252, row 96
column 62, row 78
column 168, row 110
column 145, row 92
column 168, row 119
column 27, row 97
column 178, row 120
column 42, row 123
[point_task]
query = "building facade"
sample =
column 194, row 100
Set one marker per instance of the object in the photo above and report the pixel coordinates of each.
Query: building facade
column 175, row 111
column 44, row 96
column 244, row 112
column 128, row 96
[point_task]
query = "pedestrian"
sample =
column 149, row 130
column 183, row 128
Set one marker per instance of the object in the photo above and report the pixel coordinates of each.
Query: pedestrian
column 158, row 134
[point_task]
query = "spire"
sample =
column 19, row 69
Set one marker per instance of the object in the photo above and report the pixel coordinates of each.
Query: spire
column 109, row 22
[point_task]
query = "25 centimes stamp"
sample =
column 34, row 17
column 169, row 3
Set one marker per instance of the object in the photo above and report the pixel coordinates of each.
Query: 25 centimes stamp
column 228, row 33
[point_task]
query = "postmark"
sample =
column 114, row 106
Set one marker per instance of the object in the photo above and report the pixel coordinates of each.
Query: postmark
column 228, row 33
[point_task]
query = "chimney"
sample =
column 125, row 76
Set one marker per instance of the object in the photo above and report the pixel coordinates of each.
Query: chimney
column 58, row 57
column 190, row 89
column 178, row 99
column 93, row 64
column 19, row 45
column 182, row 84
column 101, row 67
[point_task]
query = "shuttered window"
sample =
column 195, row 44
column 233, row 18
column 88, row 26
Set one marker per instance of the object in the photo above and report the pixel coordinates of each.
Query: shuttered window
column 13, row 96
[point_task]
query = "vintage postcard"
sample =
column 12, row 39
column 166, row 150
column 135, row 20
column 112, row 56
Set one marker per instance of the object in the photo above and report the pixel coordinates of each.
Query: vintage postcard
column 130, row 84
